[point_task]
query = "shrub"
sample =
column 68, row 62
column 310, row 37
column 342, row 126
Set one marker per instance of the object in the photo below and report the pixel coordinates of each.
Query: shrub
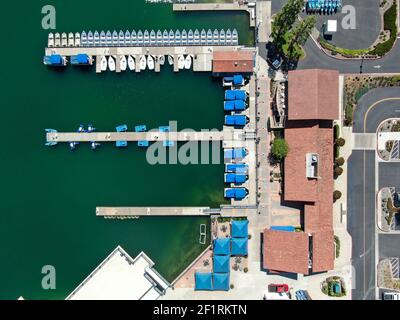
column 339, row 161
column 336, row 131
column 337, row 195
column 279, row 148
column 245, row 270
column 389, row 19
column 338, row 171
column 232, row 286
column 337, row 243
column 340, row 142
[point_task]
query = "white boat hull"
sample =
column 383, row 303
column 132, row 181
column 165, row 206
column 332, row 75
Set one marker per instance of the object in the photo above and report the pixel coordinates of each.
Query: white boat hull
column 142, row 63
column 150, row 62
column 111, row 63
column 131, row 63
column 103, row 63
column 123, row 63
column 188, row 62
column 181, row 62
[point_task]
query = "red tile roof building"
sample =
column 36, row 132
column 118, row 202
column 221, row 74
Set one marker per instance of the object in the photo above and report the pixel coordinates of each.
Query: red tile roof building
column 233, row 62
column 313, row 104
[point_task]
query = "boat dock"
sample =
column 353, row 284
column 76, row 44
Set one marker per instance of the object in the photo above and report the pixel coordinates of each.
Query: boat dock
column 111, row 212
column 235, row 6
column 227, row 134
column 202, row 55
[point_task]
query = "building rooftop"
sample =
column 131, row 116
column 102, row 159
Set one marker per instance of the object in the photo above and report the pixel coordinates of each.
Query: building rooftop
column 323, row 251
column 233, row 62
column 313, row 94
column 286, row 251
column 120, row 277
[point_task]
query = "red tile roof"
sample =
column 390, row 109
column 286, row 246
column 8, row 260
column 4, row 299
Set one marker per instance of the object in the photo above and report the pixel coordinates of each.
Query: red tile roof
column 233, row 61
column 323, row 251
column 286, row 251
column 313, row 94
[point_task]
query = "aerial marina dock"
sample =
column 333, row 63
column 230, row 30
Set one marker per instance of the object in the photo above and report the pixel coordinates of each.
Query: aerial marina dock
column 113, row 212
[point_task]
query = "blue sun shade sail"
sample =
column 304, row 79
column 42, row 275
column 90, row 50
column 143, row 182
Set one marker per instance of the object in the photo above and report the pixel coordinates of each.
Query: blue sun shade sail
column 238, row 80
column 222, row 246
column 203, row 281
column 234, row 105
column 140, row 128
column 121, row 144
column 53, row 60
column 221, row 281
column 235, row 193
column 235, row 153
column 235, row 95
column 235, row 178
column 121, row 128
column 235, row 120
column 284, row 228
column 80, row 59
column 143, row 143
column 240, row 228
column 239, row 246
column 222, row 263
column 240, row 168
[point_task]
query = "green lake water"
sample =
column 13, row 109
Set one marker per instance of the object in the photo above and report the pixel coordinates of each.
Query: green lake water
column 48, row 195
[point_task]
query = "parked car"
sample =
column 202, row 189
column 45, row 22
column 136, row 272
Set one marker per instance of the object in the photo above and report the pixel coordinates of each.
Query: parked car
column 391, row 296
column 279, row 288
column 273, row 57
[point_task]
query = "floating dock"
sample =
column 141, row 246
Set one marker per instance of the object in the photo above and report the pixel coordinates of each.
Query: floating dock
column 236, row 6
column 226, row 135
column 151, row 211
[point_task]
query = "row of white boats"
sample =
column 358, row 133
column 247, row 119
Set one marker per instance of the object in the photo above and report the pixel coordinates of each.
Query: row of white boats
column 146, row 38
column 144, row 62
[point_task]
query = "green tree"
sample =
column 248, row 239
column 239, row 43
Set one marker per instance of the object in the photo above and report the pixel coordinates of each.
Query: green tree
column 298, row 36
column 284, row 20
column 279, row 148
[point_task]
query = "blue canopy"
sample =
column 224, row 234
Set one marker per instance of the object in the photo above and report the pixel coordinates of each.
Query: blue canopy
column 236, row 167
column 284, row 228
column 121, row 144
column 240, row 228
column 222, row 246
column 238, row 80
column 229, row 105
column 230, row 95
column 234, row 105
column 80, row 58
column 203, row 281
column 239, row 246
column 235, row 153
column 55, row 59
column 239, row 105
column 235, row 95
column 235, row 120
column 121, row 128
column 236, row 193
column 235, row 178
column 221, row 281
column 222, row 263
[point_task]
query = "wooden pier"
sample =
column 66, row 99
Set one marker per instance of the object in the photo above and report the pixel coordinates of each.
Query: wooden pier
column 228, row 134
column 151, row 211
column 235, row 6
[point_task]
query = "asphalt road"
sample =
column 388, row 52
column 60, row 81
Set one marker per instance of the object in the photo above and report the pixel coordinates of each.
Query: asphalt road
column 370, row 112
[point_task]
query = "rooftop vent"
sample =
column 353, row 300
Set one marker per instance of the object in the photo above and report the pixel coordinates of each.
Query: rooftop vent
column 312, row 160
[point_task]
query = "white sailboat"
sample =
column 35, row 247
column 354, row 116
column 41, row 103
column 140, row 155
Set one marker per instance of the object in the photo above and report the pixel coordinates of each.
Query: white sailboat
column 171, row 37
column 190, row 37
column 146, row 38
column 165, row 38
column 71, row 41
column 177, row 38
column 170, row 60
column 140, row 38
column 121, row 38
column 150, row 62
column 103, row 63
column 152, row 37
column 216, row 37
column 133, row 38
column 83, row 38
column 57, row 39
column 161, row 59
column 222, row 37
column 102, row 38
column 127, row 38
column 209, row 37
column 188, row 62
column 181, row 61
column 115, row 38
column 64, row 39
column 159, row 39
column 235, row 38
column 183, row 38
column 50, row 40
column 111, row 63
column 108, row 38
column 203, row 37
column 77, row 39
column 196, row 37
column 96, row 39
column 142, row 62
column 131, row 63
column 122, row 63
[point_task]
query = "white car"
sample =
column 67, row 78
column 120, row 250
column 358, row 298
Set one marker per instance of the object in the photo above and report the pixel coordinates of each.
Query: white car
column 391, row 296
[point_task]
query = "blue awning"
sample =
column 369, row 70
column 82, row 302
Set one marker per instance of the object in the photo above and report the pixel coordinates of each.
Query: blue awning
column 240, row 228
column 222, row 246
column 222, row 263
column 221, row 281
column 236, row 153
column 236, row 167
column 236, row 193
column 229, row 105
column 235, row 120
column 55, row 59
column 203, row 281
column 239, row 246
column 230, row 95
column 238, row 79
column 239, row 105
column 240, row 95
column 284, row 228
column 235, row 178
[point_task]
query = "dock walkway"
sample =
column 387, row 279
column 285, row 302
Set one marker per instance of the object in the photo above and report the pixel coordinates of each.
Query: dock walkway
column 151, row 211
column 235, row 6
column 226, row 135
